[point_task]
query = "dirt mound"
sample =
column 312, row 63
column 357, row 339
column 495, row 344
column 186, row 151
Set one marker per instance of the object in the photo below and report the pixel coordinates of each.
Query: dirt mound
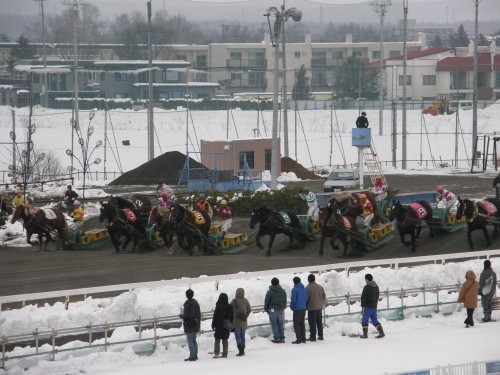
column 166, row 168
column 290, row 165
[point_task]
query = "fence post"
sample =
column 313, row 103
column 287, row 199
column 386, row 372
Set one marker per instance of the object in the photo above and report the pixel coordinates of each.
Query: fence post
column 155, row 326
column 139, row 323
column 89, row 326
column 437, row 298
column 106, row 327
column 35, row 333
column 348, row 302
column 53, row 337
column 5, row 340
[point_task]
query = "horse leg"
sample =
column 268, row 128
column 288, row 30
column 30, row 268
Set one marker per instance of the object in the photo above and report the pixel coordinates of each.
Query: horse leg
column 321, row 244
column 345, row 242
column 403, row 241
column 271, row 240
column 116, row 244
column 469, row 237
column 430, row 224
column 128, row 238
column 418, row 230
column 486, row 235
column 257, row 241
column 413, row 241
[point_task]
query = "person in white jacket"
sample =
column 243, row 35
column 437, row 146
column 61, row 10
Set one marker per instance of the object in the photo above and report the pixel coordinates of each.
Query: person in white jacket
column 312, row 203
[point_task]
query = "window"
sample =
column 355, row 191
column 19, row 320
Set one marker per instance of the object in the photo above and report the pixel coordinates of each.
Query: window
column 235, row 56
column 53, row 82
column 357, row 54
column 36, row 78
column 296, row 54
column 202, row 96
column 103, row 76
column 267, row 159
column 256, row 59
column 120, row 76
column 249, row 155
column 408, row 80
column 170, row 76
column 236, row 79
column 318, row 79
column 376, row 55
column 338, row 55
column 394, row 53
column 255, row 79
column 62, row 82
column 429, row 80
column 201, row 61
column 458, row 80
column 318, row 59
column 181, row 57
column 120, row 95
column 497, row 80
column 142, row 77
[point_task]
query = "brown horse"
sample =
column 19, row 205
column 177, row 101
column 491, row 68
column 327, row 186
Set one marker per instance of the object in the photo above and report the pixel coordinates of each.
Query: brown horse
column 335, row 226
column 159, row 215
column 42, row 222
column 191, row 228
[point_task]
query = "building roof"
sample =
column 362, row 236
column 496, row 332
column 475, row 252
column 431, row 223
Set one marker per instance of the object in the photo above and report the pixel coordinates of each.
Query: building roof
column 423, row 53
column 465, row 63
column 143, row 63
column 181, row 84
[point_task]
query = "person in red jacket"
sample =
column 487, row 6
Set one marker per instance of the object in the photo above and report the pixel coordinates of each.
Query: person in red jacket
column 226, row 215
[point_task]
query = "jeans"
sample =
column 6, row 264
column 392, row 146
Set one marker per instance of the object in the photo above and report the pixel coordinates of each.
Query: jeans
column 369, row 313
column 315, row 320
column 486, row 302
column 299, row 325
column 239, row 336
column 192, row 344
column 277, row 320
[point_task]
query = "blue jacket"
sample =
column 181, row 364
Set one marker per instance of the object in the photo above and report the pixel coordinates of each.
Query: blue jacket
column 299, row 297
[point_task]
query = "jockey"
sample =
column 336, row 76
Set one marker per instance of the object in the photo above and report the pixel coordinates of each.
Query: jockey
column 379, row 188
column 226, row 215
column 165, row 200
column 19, row 199
column 312, row 203
column 163, row 188
column 445, row 197
column 203, row 205
column 367, row 209
column 77, row 213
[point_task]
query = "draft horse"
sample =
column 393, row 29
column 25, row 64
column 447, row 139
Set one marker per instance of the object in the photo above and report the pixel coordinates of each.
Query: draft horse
column 43, row 222
column 191, row 228
column 121, row 222
column 159, row 215
column 475, row 216
column 273, row 222
column 409, row 220
column 335, row 226
column 137, row 202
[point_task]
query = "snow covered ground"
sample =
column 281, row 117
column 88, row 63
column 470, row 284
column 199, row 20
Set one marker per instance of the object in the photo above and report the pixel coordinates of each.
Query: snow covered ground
column 413, row 343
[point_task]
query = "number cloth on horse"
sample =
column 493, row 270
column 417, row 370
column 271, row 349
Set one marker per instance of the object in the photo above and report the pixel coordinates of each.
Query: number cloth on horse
column 346, row 223
column 131, row 217
column 49, row 214
column 489, row 207
column 285, row 218
column 419, row 210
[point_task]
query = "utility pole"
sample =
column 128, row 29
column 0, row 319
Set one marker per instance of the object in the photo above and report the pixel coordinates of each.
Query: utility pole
column 151, row 144
column 405, row 56
column 474, row 91
column 285, row 94
column 380, row 7
column 40, row 3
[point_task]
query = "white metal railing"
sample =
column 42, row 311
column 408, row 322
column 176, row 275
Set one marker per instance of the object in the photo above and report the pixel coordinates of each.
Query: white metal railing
column 346, row 266
column 473, row 368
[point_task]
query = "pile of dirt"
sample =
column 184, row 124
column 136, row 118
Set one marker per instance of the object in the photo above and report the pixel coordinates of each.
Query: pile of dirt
column 166, row 168
column 290, row 165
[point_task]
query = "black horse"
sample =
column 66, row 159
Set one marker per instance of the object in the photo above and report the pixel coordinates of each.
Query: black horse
column 273, row 222
column 191, row 228
column 492, row 207
column 475, row 216
column 160, row 216
column 122, row 222
column 335, row 227
column 409, row 220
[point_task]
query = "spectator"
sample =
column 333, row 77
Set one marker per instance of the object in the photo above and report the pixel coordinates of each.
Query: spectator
column 203, row 205
column 223, row 311
column 4, row 210
column 444, row 197
column 77, row 213
column 316, row 299
column 369, row 301
column 19, row 199
column 70, row 197
column 226, row 215
column 274, row 305
column 468, row 296
column 487, row 289
column 312, row 203
column 496, row 184
column 379, row 188
column 191, row 319
column 241, row 312
column 298, row 304
column 362, row 121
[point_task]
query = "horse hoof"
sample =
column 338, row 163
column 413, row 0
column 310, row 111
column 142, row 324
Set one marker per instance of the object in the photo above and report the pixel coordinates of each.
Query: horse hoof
column 268, row 254
column 321, row 254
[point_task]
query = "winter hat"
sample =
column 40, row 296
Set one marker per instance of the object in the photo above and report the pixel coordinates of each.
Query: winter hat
column 296, row 280
column 223, row 202
column 275, row 281
column 487, row 263
column 189, row 293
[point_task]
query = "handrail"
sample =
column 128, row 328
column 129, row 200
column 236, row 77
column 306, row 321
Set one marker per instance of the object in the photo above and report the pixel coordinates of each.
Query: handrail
column 347, row 266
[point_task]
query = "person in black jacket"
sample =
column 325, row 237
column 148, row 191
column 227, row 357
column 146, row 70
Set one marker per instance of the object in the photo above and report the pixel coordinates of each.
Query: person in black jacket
column 223, row 311
column 369, row 301
column 362, row 121
column 70, row 195
column 191, row 319
column 496, row 184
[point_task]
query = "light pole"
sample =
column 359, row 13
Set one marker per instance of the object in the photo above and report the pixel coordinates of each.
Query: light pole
column 275, row 34
column 380, row 7
column 405, row 58
column 84, row 161
column 474, row 82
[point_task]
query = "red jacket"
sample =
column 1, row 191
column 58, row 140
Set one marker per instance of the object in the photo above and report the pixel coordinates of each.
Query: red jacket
column 225, row 212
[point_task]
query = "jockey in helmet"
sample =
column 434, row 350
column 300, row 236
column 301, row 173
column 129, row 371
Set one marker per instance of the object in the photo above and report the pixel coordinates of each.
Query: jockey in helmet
column 444, row 197
column 367, row 209
column 312, row 202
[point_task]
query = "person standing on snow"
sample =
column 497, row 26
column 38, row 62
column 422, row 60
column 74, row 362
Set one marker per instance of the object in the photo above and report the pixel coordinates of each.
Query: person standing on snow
column 316, row 298
column 191, row 320
column 487, row 289
column 468, row 296
column 369, row 301
column 223, row 311
column 298, row 304
column 241, row 312
column 275, row 305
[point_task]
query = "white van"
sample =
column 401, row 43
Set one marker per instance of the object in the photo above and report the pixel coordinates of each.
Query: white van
column 464, row 105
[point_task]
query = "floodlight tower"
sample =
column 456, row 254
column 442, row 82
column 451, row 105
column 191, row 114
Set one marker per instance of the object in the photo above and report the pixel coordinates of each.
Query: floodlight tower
column 380, row 7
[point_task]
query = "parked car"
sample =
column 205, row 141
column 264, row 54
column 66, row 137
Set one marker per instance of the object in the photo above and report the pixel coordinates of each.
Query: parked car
column 341, row 179
column 464, row 105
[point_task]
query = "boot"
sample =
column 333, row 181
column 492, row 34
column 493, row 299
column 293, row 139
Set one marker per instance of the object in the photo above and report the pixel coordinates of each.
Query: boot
column 216, row 355
column 241, row 351
column 365, row 333
column 380, row 331
column 487, row 317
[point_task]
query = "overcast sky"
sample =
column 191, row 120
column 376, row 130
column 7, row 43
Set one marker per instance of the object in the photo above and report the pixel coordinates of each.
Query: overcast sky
column 443, row 11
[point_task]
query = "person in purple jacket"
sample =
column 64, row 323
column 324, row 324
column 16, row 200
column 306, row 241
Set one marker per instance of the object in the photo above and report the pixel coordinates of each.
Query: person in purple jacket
column 298, row 304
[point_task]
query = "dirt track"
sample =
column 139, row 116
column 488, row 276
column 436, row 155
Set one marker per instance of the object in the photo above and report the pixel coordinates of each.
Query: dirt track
column 25, row 270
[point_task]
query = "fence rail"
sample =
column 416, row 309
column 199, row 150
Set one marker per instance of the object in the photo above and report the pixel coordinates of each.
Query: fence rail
column 472, row 368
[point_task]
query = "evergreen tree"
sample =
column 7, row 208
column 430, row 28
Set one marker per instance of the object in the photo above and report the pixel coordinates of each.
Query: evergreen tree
column 482, row 41
column 355, row 80
column 301, row 89
column 459, row 38
column 22, row 50
column 436, row 42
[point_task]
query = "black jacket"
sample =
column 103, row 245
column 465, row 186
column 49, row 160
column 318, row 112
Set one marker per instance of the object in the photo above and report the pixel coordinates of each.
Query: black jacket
column 362, row 122
column 191, row 318
column 370, row 294
column 223, row 310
